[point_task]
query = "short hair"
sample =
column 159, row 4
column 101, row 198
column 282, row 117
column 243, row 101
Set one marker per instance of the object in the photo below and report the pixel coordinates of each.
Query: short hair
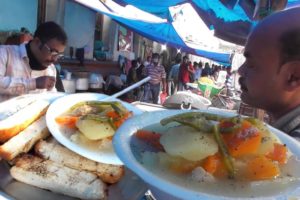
column 289, row 46
column 155, row 55
column 178, row 60
column 50, row 30
column 134, row 63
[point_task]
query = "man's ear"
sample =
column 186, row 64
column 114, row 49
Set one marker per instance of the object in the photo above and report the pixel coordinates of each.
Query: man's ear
column 292, row 75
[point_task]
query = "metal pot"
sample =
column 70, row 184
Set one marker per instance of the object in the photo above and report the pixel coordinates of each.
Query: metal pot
column 186, row 100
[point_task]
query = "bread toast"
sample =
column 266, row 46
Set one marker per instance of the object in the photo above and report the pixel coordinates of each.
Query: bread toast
column 25, row 140
column 17, row 122
column 49, row 175
column 53, row 151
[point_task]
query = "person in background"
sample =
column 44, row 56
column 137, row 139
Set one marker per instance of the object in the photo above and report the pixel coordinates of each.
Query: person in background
column 206, row 78
column 158, row 76
column 132, row 79
column 132, row 74
column 198, row 71
column 29, row 68
column 191, row 70
column 140, row 69
column 184, row 74
column 173, row 76
column 147, row 61
column 270, row 76
column 207, row 69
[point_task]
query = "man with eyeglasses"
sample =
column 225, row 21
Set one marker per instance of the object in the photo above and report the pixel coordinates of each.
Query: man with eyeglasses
column 29, row 68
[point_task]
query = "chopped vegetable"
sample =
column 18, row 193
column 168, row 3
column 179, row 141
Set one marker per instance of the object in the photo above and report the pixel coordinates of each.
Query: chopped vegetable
column 243, row 141
column 188, row 143
column 227, row 159
column 95, row 130
column 66, row 120
column 151, row 138
column 214, row 165
column 261, row 168
column 279, row 153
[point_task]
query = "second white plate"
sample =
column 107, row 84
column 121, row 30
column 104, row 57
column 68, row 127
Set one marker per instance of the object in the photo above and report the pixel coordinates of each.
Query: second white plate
column 63, row 104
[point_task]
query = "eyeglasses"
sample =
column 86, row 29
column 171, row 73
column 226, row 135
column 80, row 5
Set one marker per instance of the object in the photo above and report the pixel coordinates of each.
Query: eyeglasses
column 53, row 52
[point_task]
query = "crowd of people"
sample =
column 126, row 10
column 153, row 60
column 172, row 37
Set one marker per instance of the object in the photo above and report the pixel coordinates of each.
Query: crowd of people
column 178, row 77
column 269, row 77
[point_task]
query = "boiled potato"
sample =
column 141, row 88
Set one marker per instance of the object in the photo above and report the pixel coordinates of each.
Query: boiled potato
column 94, row 130
column 188, row 143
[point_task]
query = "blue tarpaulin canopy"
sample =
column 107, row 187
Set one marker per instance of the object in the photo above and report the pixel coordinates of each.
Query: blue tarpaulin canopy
column 178, row 23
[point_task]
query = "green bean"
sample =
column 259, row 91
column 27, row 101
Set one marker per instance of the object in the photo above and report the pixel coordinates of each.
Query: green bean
column 224, row 151
column 207, row 116
column 98, row 104
column 95, row 117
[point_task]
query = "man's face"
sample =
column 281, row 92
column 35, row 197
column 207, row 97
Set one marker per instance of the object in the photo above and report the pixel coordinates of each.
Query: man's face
column 49, row 52
column 155, row 60
column 185, row 60
column 260, row 81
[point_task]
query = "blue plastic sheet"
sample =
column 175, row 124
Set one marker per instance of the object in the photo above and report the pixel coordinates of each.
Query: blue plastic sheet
column 230, row 23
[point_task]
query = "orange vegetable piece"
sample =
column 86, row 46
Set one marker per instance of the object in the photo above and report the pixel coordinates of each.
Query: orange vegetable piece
column 261, row 168
column 279, row 153
column 69, row 121
column 151, row 138
column 214, row 165
column 244, row 142
column 118, row 120
column 211, row 163
column 112, row 114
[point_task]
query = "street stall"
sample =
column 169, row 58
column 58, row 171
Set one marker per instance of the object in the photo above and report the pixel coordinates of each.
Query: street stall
column 57, row 145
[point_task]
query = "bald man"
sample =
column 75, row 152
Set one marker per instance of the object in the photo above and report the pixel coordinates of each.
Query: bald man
column 270, row 76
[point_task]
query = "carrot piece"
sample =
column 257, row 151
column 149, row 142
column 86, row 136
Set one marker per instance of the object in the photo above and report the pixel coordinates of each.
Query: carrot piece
column 150, row 137
column 279, row 153
column 118, row 121
column 112, row 114
column 244, row 142
column 69, row 121
column 261, row 168
column 215, row 166
column 211, row 163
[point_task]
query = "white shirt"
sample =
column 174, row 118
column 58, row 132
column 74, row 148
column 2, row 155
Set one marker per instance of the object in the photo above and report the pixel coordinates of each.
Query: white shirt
column 16, row 76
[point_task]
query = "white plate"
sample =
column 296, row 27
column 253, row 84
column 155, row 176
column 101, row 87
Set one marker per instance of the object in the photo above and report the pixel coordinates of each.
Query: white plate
column 129, row 149
column 63, row 104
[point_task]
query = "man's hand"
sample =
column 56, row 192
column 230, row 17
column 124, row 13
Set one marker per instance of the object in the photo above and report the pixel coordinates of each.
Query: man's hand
column 45, row 82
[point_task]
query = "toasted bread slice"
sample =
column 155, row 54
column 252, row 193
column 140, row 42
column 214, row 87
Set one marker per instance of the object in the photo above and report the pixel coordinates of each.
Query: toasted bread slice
column 49, row 175
column 53, row 151
column 25, row 140
column 17, row 122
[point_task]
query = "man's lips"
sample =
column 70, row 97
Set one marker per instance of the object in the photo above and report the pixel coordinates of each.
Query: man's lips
column 242, row 84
